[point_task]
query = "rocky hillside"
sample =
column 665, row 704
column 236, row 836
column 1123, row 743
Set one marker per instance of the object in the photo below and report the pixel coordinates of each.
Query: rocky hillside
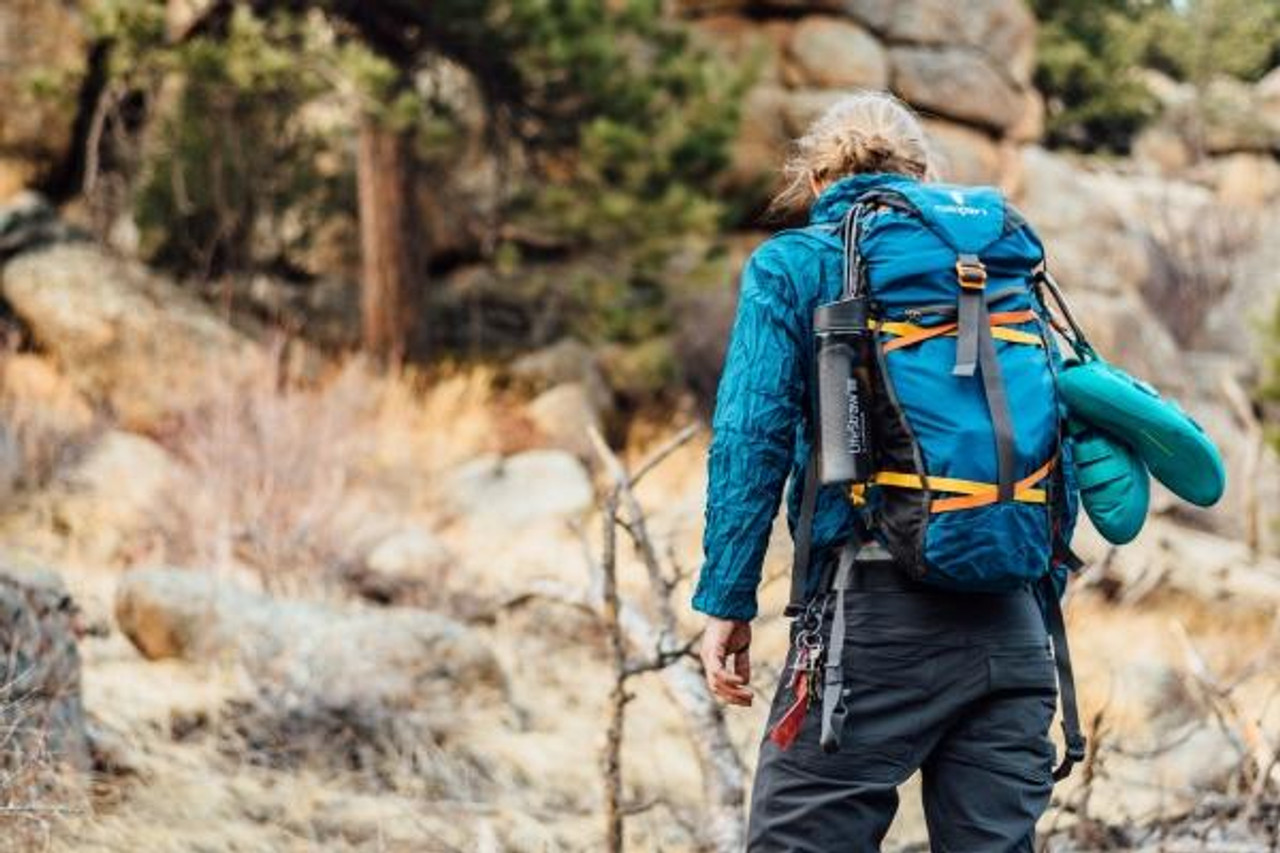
column 256, row 595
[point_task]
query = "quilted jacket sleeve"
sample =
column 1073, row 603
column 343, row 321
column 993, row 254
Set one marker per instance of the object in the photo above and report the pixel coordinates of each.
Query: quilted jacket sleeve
column 758, row 408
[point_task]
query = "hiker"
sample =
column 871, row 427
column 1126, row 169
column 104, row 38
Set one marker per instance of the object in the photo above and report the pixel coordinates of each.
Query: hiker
column 924, row 600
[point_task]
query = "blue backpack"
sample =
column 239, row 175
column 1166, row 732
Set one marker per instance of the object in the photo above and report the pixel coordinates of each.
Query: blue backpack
column 973, row 489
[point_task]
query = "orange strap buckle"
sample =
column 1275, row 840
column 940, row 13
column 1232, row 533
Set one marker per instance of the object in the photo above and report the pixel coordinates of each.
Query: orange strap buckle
column 971, row 275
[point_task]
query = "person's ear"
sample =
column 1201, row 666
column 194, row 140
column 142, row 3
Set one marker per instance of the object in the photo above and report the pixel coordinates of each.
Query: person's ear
column 814, row 185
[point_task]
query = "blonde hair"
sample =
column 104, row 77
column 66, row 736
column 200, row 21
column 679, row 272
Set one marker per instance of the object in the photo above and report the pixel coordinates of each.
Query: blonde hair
column 862, row 132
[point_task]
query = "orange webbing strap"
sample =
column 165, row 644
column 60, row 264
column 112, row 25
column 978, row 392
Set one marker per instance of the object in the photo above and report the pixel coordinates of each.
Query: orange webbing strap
column 971, row 493
column 910, row 334
column 1022, row 491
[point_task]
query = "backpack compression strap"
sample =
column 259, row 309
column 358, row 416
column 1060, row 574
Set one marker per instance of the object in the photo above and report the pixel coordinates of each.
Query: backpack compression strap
column 976, row 352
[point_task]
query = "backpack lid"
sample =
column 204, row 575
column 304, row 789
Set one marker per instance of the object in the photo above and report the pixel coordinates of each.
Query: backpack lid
column 968, row 219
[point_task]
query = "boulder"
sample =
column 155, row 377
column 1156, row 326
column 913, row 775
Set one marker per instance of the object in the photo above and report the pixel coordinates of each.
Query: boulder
column 41, row 710
column 965, row 155
column 755, row 154
column 800, row 107
column 1247, row 180
column 956, row 83
column 563, row 415
column 412, row 550
column 742, row 42
column 1002, row 29
column 1126, row 331
column 1253, row 294
column 1159, row 149
column 1226, row 116
column 29, row 381
column 43, row 46
column 830, row 52
column 1092, row 242
column 130, row 338
column 1030, row 125
column 341, row 657
column 409, row 566
column 519, row 490
column 106, row 503
column 1267, row 91
column 567, row 361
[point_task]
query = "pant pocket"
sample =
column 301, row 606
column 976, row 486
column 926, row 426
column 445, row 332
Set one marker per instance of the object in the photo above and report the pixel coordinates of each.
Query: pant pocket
column 1022, row 669
column 904, row 667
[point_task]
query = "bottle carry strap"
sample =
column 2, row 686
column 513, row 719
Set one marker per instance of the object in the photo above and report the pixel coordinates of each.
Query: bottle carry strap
column 852, row 284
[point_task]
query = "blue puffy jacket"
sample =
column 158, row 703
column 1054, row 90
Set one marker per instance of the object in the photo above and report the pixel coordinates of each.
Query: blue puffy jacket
column 762, row 409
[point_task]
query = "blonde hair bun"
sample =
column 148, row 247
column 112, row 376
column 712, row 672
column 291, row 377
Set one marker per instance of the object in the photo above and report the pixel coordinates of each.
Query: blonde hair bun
column 862, row 132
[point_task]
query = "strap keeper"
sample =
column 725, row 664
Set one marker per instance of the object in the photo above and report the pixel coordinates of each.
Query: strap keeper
column 971, row 273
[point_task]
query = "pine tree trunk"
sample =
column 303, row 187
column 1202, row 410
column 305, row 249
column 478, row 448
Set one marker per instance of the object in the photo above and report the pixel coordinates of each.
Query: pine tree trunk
column 384, row 170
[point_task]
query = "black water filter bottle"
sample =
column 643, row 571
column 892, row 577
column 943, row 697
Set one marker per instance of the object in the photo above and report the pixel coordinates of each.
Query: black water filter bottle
column 844, row 362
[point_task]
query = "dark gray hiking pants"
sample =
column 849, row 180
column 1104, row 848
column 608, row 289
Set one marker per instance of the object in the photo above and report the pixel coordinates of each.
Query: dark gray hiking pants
column 959, row 686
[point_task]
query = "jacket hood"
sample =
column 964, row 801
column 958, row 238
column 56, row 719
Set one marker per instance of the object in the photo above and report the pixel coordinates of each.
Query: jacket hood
column 836, row 199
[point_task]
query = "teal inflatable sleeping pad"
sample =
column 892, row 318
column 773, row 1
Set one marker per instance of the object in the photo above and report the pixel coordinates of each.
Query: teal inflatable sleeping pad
column 1115, row 488
column 1174, row 448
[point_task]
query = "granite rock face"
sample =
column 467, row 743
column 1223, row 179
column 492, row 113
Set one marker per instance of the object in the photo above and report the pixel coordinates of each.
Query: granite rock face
column 966, row 65
column 132, row 339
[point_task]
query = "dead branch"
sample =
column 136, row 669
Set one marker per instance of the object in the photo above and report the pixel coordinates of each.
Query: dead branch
column 663, row 658
column 1244, row 735
column 611, row 758
column 629, row 626
column 635, row 520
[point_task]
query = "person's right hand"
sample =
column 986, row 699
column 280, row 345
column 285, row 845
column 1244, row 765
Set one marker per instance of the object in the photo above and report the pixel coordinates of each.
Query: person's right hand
column 721, row 640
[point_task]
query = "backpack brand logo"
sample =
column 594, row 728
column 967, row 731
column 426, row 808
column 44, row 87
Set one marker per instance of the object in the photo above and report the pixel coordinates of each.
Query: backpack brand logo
column 960, row 209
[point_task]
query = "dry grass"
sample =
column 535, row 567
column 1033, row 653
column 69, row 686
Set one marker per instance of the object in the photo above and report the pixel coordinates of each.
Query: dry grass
column 270, row 468
column 37, row 790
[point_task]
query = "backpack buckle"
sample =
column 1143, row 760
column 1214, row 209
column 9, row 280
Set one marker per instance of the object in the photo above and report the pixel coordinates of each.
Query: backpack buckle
column 970, row 273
